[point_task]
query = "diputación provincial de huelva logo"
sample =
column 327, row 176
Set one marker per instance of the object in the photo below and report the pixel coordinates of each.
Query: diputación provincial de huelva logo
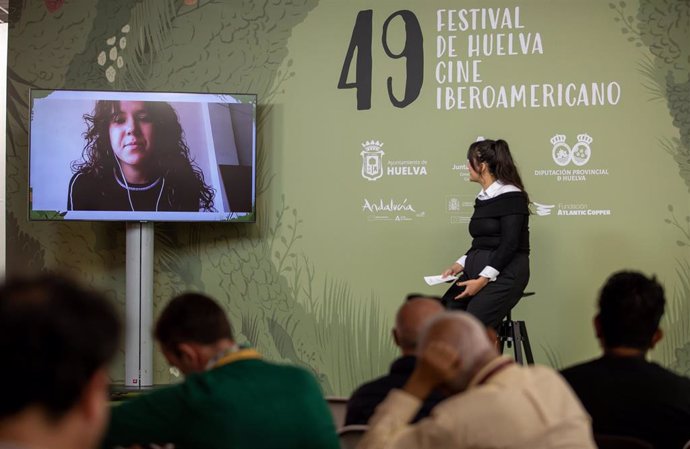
column 578, row 155
column 373, row 167
column 568, row 210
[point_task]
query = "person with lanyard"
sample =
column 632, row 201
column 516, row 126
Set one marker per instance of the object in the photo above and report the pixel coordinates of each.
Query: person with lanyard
column 493, row 402
column 231, row 398
column 495, row 270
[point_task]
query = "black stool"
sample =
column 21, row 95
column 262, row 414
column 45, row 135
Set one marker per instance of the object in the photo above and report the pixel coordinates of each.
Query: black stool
column 515, row 333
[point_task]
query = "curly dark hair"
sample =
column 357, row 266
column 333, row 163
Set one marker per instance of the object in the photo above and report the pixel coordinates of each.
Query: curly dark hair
column 173, row 159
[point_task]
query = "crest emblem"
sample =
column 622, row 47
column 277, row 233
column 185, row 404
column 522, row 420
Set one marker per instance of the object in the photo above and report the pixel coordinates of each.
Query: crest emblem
column 579, row 154
column 372, row 160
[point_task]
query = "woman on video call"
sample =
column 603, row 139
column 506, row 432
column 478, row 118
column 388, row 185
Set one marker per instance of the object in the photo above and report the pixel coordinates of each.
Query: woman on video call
column 136, row 159
column 495, row 270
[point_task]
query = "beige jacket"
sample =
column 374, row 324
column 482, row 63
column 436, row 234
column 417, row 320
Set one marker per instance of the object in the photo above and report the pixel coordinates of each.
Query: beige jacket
column 516, row 407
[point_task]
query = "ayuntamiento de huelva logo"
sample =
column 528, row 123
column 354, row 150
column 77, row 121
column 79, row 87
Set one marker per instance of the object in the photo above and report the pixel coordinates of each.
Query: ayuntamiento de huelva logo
column 373, row 166
column 372, row 160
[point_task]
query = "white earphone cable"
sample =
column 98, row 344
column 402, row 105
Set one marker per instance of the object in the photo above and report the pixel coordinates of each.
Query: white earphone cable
column 129, row 196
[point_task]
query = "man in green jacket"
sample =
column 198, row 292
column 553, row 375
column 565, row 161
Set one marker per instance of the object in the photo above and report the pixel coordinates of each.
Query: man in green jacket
column 231, row 398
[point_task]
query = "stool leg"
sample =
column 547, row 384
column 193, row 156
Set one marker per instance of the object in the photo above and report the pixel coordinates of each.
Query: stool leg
column 517, row 341
column 502, row 332
column 528, row 348
column 509, row 326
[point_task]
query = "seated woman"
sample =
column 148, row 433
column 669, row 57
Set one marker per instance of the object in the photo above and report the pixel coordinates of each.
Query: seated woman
column 495, row 270
column 136, row 159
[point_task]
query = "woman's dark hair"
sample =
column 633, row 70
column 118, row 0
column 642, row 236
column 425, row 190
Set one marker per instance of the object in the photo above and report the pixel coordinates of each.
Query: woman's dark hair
column 173, row 160
column 499, row 161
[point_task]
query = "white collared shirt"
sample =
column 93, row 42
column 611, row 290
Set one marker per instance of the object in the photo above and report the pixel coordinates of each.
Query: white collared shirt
column 496, row 188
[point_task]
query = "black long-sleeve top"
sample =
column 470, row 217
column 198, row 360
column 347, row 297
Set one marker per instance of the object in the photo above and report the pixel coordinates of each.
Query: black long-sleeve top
column 501, row 224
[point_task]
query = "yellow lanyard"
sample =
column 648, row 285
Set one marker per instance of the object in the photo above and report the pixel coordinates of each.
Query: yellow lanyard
column 242, row 354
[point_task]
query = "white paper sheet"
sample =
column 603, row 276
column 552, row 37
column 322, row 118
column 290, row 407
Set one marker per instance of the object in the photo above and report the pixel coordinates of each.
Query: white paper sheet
column 438, row 279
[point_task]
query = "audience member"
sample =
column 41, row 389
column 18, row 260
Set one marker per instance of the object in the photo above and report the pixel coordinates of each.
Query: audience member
column 56, row 339
column 411, row 296
column 231, row 398
column 624, row 393
column 494, row 402
column 409, row 320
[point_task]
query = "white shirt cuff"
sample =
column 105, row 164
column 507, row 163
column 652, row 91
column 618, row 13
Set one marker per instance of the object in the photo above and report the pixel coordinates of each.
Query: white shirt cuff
column 489, row 272
column 461, row 261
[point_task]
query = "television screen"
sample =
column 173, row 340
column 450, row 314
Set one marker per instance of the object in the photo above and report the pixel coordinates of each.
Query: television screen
column 142, row 156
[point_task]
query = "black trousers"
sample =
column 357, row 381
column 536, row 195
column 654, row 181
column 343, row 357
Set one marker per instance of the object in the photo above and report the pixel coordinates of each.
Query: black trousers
column 495, row 300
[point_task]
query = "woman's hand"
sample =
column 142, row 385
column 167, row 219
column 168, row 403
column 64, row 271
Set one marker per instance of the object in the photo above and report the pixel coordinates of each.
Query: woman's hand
column 453, row 270
column 472, row 287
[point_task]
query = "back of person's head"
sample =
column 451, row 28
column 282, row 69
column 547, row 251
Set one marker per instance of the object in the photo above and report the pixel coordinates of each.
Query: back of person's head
column 467, row 336
column 498, row 159
column 630, row 309
column 411, row 318
column 411, row 296
column 192, row 318
column 54, row 337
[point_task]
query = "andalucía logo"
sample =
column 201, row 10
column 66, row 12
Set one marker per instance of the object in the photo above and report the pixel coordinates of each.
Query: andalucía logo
column 372, row 160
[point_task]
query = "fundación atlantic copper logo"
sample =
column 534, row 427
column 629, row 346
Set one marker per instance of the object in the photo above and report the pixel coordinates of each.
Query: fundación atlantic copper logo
column 372, row 160
column 579, row 154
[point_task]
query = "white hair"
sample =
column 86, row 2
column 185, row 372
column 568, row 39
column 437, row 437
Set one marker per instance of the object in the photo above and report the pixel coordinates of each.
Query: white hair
column 466, row 335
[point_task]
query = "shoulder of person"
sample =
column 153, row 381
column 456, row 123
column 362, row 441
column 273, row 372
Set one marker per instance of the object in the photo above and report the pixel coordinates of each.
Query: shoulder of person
column 81, row 180
column 506, row 188
column 296, row 376
column 666, row 375
column 580, row 368
column 81, row 187
column 510, row 203
column 375, row 387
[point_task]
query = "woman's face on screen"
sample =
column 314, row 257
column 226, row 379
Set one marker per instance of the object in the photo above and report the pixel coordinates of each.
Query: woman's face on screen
column 132, row 135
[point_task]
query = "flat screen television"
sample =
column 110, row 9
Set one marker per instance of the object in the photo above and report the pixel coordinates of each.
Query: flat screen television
column 142, row 156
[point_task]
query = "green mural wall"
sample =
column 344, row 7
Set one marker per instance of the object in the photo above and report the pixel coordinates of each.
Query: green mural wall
column 317, row 279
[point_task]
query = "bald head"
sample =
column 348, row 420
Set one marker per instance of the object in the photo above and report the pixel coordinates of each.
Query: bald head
column 410, row 320
column 464, row 333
